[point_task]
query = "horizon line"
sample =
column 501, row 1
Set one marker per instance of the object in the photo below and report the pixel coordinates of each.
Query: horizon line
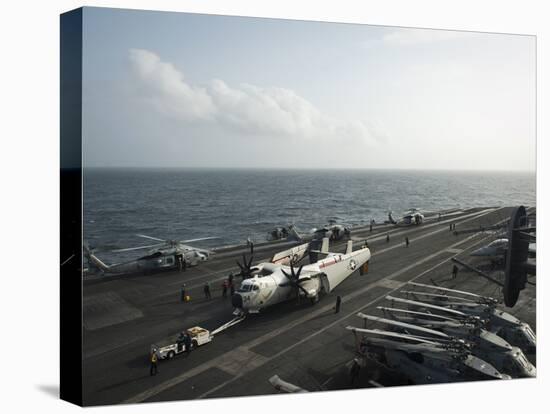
column 300, row 168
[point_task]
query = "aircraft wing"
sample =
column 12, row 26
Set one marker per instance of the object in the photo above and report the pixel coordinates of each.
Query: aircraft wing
column 338, row 268
column 294, row 255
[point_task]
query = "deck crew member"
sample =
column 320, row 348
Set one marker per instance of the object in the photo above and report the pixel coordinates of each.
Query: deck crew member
column 154, row 360
column 207, row 290
column 183, row 292
column 180, row 341
column 388, row 238
column 455, row 271
column 188, row 344
column 338, row 304
column 225, row 284
column 406, row 241
column 354, row 371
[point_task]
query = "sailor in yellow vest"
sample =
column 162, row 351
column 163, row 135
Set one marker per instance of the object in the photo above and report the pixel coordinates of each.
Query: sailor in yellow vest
column 154, row 360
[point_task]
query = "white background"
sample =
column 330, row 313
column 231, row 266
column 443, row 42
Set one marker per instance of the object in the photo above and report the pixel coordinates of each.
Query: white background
column 29, row 158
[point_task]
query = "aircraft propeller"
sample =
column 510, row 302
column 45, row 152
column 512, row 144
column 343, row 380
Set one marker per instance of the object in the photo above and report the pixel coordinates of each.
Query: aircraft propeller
column 246, row 267
column 294, row 280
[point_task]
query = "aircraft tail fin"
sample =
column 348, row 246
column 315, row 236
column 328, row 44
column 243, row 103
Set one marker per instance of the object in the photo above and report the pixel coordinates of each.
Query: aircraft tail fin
column 293, row 233
column 324, row 246
column 349, row 247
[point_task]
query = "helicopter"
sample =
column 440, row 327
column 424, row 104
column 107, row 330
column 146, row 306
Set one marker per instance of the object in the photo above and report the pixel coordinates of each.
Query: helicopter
column 269, row 283
column 503, row 324
column 516, row 252
column 484, row 344
column 422, row 360
column 332, row 231
column 494, row 250
column 277, row 233
column 410, row 217
column 163, row 255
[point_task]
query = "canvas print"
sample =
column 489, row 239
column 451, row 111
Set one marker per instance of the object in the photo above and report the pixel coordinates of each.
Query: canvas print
column 275, row 206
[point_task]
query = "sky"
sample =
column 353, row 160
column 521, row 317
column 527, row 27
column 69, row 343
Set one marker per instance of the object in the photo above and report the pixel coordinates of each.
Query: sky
column 184, row 90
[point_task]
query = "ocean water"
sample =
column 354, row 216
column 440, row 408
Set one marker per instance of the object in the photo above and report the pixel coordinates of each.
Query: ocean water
column 182, row 204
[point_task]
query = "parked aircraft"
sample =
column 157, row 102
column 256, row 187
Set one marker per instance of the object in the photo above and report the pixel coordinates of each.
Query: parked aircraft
column 164, row 255
column 494, row 250
column 422, row 360
column 411, row 216
column 332, row 231
column 278, row 233
column 503, row 324
column 484, row 344
column 267, row 284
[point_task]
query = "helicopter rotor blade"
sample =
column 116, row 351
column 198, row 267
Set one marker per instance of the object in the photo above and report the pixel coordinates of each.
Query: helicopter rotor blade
column 201, row 238
column 151, row 238
column 129, row 249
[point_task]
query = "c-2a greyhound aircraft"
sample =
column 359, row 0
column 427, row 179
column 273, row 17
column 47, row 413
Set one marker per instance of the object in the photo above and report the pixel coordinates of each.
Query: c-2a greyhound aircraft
column 278, row 281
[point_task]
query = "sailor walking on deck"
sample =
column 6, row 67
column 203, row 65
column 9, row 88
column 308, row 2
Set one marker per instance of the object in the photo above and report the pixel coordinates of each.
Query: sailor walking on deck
column 154, row 360
column 207, row 290
column 455, row 271
column 250, row 245
column 225, row 284
column 338, row 305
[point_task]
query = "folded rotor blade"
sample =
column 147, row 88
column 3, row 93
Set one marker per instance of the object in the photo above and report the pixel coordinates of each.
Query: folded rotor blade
column 201, row 238
column 129, row 249
column 149, row 237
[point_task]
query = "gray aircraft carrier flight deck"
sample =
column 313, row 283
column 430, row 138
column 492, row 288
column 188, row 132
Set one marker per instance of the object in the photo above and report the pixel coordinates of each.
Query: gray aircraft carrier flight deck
column 304, row 344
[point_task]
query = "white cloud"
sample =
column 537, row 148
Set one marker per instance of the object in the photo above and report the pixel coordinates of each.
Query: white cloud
column 267, row 111
column 166, row 88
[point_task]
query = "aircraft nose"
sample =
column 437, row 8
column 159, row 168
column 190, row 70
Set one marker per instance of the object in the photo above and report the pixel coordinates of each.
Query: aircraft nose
column 237, row 300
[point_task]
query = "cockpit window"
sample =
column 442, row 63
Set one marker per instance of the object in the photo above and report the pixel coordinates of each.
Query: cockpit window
column 265, row 272
column 245, row 288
